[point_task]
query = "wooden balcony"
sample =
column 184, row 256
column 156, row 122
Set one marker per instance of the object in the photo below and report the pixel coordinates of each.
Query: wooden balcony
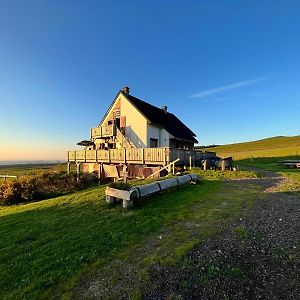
column 103, row 131
column 142, row 156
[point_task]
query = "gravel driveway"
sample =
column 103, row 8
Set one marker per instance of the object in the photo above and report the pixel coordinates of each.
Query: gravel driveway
column 257, row 257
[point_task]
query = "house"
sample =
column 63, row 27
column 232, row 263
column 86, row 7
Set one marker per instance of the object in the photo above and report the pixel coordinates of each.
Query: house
column 136, row 134
column 138, row 124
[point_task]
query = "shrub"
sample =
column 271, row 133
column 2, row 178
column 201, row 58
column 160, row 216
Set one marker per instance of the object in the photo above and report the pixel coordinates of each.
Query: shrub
column 42, row 186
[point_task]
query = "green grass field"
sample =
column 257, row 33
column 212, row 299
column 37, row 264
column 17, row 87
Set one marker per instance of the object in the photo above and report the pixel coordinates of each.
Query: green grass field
column 280, row 146
column 45, row 244
column 29, row 169
column 265, row 154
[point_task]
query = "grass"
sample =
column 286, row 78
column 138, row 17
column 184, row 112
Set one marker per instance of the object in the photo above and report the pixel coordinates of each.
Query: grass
column 223, row 175
column 265, row 154
column 292, row 176
column 171, row 243
column 31, row 169
column 241, row 232
column 46, row 244
column 271, row 147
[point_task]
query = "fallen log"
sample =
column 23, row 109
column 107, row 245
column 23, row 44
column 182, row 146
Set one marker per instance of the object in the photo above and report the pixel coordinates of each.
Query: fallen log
column 146, row 190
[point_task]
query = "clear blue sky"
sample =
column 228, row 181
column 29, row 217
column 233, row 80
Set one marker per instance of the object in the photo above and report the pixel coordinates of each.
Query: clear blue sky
column 228, row 69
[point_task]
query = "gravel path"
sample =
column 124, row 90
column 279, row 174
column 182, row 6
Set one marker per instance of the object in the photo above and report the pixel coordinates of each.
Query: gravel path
column 257, row 257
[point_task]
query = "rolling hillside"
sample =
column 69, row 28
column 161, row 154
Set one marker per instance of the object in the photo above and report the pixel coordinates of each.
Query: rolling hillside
column 271, row 147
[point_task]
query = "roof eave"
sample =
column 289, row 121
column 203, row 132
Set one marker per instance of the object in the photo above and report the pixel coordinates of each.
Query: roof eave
column 112, row 104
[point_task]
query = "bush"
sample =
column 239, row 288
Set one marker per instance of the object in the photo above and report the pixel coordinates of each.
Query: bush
column 42, row 186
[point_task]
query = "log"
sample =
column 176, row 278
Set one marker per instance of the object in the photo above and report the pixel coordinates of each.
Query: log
column 184, row 179
column 146, row 190
column 168, row 183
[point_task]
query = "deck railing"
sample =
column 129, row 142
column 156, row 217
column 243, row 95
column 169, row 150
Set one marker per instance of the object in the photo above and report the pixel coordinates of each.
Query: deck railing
column 148, row 156
column 103, row 131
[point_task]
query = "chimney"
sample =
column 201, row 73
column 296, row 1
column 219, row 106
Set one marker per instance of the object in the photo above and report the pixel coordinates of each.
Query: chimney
column 165, row 109
column 125, row 90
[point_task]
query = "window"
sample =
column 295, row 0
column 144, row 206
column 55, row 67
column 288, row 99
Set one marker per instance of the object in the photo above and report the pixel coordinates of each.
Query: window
column 153, row 143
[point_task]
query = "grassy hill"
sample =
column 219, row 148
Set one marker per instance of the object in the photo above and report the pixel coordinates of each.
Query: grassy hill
column 46, row 245
column 280, row 146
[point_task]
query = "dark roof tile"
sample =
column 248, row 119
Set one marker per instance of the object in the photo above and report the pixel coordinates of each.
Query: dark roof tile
column 167, row 120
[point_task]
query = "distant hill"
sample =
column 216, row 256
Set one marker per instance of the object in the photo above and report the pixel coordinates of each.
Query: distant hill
column 270, row 147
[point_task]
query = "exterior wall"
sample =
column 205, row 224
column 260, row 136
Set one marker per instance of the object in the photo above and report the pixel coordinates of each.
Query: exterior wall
column 136, row 124
column 162, row 135
column 156, row 132
column 153, row 133
column 164, row 139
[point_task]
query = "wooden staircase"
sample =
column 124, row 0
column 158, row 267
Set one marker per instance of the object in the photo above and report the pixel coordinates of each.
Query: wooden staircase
column 123, row 139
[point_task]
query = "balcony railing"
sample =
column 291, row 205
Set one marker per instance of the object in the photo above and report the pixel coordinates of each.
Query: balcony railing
column 152, row 156
column 103, row 131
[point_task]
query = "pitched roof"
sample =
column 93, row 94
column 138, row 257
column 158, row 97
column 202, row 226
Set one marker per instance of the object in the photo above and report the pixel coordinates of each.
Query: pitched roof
column 166, row 120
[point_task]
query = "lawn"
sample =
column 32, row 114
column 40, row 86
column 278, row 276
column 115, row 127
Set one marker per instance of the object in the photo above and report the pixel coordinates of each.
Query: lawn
column 30, row 169
column 45, row 244
column 271, row 147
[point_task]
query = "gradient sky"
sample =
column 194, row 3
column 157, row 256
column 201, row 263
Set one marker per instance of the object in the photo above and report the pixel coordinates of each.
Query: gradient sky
column 229, row 69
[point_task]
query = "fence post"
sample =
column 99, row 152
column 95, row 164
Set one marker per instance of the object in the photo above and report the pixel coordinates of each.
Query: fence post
column 78, row 170
column 223, row 165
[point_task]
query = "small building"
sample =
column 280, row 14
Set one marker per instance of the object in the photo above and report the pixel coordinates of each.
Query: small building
column 138, row 124
column 138, row 135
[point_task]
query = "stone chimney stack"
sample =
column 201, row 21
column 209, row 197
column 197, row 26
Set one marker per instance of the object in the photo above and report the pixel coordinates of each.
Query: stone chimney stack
column 125, row 90
column 165, row 109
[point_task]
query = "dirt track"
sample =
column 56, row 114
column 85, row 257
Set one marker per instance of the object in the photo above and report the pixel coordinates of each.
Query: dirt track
column 257, row 257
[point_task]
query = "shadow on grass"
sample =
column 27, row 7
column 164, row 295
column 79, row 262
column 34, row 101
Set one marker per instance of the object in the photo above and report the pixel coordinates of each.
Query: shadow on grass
column 45, row 243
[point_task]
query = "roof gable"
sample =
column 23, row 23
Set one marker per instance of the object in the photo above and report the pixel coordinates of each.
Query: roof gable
column 166, row 120
column 157, row 116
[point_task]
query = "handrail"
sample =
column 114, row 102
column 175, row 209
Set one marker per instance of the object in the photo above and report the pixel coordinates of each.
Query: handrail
column 103, row 131
column 121, row 137
column 167, row 166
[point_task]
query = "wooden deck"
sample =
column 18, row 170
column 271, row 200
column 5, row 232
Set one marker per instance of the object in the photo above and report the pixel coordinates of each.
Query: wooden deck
column 141, row 156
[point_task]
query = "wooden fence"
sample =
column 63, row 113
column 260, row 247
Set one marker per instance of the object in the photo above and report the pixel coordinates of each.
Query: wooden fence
column 144, row 156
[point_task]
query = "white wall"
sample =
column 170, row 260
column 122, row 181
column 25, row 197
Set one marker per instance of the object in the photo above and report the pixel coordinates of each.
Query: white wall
column 164, row 140
column 152, row 133
column 136, row 124
column 160, row 134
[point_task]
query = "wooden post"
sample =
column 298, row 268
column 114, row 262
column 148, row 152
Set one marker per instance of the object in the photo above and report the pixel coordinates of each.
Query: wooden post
column 68, row 167
column 205, row 165
column 143, row 156
column 223, row 165
column 99, row 171
column 125, row 173
column 78, row 170
column 173, row 168
column 190, row 162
